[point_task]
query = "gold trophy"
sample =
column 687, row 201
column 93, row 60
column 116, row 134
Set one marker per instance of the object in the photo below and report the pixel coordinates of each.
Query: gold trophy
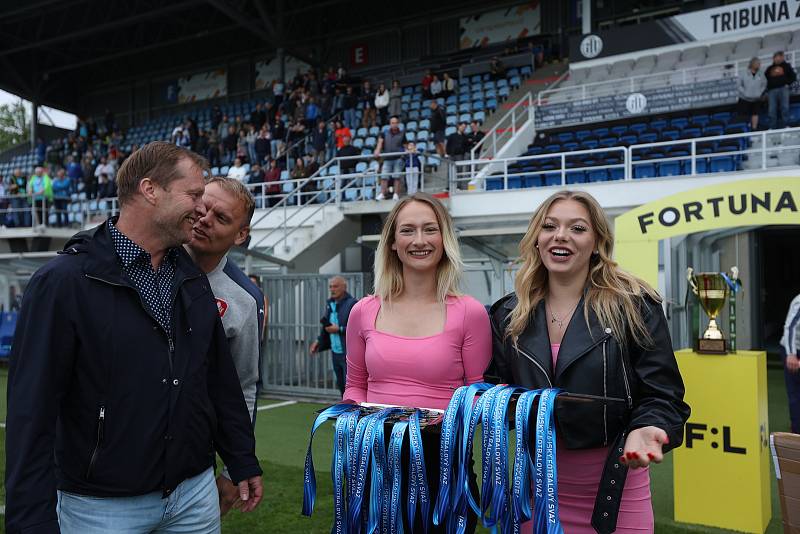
column 711, row 290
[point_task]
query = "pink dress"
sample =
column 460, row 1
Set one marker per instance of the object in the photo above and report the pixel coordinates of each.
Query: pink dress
column 579, row 473
column 416, row 371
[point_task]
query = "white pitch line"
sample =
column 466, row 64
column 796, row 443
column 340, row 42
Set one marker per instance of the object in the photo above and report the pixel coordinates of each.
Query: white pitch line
column 2, row 510
column 2, row 425
column 276, row 405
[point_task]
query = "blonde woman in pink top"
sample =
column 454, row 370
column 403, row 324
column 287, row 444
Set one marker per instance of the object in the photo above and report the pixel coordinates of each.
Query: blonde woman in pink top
column 418, row 338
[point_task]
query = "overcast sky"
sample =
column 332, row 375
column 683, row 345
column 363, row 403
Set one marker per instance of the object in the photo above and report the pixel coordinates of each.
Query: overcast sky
column 46, row 115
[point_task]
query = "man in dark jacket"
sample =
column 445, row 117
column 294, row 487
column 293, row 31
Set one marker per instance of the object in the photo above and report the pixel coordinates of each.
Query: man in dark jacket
column 118, row 410
column 334, row 328
column 438, row 126
column 780, row 76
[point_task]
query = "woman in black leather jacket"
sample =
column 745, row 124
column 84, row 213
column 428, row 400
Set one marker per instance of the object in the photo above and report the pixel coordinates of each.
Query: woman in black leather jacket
column 578, row 322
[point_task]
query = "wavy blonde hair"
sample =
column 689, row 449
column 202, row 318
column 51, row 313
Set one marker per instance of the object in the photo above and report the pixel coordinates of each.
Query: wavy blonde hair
column 612, row 294
column 389, row 269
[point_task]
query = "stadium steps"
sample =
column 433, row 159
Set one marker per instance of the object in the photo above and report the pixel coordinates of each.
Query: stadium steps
column 540, row 80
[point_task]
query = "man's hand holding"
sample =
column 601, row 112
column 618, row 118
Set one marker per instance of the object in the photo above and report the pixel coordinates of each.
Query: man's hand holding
column 228, row 495
column 250, row 493
column 314, row 347
column 332, row 329
column 792, row 363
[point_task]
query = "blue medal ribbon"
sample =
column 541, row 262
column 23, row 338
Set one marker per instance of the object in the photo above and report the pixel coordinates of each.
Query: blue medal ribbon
column 363, row 441
column 379, row 481
column 523, row 463
column 487, row 449
column 309, row 478
column 499, row 474
column 471, row 412
column 546, row 519
column 395, row 525
column 451, row 430
column 418, row 479
column 340, row 467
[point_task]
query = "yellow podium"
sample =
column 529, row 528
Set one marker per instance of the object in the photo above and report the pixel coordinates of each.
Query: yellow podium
column 722, row 471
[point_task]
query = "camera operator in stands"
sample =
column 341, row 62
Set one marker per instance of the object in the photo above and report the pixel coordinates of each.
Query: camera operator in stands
column 780, row 76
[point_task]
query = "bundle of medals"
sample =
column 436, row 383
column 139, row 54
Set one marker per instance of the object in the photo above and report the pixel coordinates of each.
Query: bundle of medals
column 506, row 500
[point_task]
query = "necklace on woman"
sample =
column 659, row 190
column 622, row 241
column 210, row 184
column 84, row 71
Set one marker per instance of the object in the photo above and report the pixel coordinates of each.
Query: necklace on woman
column 555, row 319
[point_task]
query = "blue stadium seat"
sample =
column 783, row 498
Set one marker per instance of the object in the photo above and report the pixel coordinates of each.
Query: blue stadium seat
column 450, row 130
column 465, row 117
column 503, row 92
column 576, row 177
column 451, row 109
column 479, row 116
column 491, row 104
column 570, row 146
column 700, row 120
column 564, row 136
column 580, row 135
column 494, row 184
column 478, row 104
column 514, row 82
column 722, row 116
column 638, row 127
column 644, row 170
column 452, row 120
column 7, row 327
column 618, row 130
column 723, row 164
column 691, row 132
column 628, row 140
column 670, row 168
column 670, row 134
column 464, row 108
column 425, row 124
column 598, row 175
column 616, row 173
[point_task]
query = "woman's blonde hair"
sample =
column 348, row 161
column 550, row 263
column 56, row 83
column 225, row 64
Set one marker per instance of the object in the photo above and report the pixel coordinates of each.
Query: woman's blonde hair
column 611, row 293
column 389, row 269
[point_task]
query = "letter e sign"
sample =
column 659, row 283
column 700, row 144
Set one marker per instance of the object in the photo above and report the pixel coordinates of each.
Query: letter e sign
column 358, row 55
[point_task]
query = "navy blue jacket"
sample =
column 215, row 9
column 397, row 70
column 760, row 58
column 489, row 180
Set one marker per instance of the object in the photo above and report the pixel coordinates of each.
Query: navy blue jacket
column 94, row 378
column 343, row 308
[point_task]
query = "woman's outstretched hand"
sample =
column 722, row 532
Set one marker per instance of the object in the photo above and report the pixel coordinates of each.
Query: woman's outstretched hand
column 643, row 446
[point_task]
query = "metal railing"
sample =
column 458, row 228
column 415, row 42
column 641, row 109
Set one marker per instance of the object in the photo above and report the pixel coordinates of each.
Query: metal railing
column 502, row 132
column 629, row 84
column 749, row 151
column 303, row 192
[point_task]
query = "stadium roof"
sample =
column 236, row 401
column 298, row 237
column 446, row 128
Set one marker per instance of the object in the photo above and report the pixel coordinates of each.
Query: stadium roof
column 51, row 51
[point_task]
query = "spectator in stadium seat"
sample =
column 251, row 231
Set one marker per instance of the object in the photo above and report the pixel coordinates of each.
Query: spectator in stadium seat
column 62, row 188
column 347, row 166
column 277, row 93
column 426, row 83
column 250, row 138
column 237, row 170
column 229, row 208
column 438, row 125
column 131, row 293
column 337, row 104
column 229, row 144
column 751, row 85
column 242, row 146
column 74, row 171
column 41, row 151
column 350, row 102
column 780, row 76
column 334, row 327
column 320, row 138
column 448, row 85
column 262, row 144
column 272, row 176
column 382, row 104
column 278, row 131
column 395, row 100
column 18, row 189
column 89, row 177
column 312, row 113
column 105, row 166
column 475, row 136
column 458, row 142
column 258, row 117
column 299, row 170
column 367, row 99
column 497, row 70
column 413, row 168
column 392, row 141
column 436, row 87
column 40, row 195
column 201, row 143
column 222, row 127
column 790, row 350
column 340, row 133
column 216, row 117
column 212, row 152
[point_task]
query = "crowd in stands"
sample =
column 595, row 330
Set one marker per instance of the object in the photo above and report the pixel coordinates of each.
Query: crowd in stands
column 770, row 85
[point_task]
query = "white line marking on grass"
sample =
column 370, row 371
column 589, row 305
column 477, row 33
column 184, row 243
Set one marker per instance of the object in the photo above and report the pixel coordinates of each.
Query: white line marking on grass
column 2, row 425
column 2, row 510
column 276, row 405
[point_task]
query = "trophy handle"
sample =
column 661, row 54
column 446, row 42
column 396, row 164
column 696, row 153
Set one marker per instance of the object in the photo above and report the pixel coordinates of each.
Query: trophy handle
column 692, row 281
column 734, row 273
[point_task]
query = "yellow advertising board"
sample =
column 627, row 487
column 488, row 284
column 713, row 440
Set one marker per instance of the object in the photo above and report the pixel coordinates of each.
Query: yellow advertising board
column 722, row 471
column 734, row 203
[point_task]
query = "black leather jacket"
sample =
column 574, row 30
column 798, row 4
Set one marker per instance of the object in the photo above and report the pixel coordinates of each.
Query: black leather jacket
column 591, row 361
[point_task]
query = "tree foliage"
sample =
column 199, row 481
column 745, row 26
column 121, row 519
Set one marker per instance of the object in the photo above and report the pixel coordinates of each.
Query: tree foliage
column 14, row 125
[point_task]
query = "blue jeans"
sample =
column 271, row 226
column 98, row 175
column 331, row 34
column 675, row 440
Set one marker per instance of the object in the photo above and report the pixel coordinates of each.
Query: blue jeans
column 21, row 214
column 778, row 97
column 193, row 507
column 340, row 369
column 350, row 119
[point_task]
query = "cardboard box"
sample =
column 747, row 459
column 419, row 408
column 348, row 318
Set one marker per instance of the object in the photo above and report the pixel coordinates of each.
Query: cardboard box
column 786, row 458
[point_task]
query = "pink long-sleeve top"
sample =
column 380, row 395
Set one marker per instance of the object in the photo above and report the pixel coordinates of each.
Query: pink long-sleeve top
column 416, row 371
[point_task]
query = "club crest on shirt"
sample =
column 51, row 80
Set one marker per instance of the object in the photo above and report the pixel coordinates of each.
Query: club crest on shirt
column 222, row 307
